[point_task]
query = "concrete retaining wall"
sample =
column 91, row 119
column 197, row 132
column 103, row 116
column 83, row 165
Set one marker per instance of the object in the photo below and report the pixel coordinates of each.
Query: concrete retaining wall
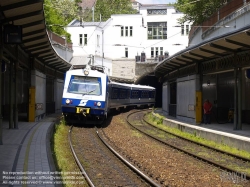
column 232, row 140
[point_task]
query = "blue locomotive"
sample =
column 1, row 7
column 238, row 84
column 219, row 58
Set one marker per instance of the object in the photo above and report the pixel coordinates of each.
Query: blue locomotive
column 89, row 94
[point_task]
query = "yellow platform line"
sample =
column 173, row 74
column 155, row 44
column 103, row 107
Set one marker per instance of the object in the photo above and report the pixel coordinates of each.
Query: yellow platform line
column 25, row 165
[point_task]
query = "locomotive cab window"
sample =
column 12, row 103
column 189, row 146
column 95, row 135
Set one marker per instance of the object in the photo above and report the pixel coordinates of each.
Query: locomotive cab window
column 85, row 85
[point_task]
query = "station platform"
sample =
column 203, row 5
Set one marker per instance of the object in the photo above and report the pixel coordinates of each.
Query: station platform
column 26, row 158
column 220, row 133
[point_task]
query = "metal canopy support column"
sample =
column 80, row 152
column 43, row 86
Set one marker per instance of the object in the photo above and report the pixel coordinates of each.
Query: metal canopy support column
column 235, row 98
column 239, row 126
column 1, row 58
column 29, row 74
column 15, row 91
column 199, row 98
column 11, row 125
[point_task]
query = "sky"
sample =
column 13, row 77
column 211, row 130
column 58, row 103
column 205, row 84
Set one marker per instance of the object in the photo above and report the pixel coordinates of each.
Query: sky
column 156, row 1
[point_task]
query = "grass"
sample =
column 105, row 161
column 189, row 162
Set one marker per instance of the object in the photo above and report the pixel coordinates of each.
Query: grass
column 157, row 120
column 63, row 157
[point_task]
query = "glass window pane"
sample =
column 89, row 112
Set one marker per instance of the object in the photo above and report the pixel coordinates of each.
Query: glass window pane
column 122, row 31
column 158, row 30
column 86, row 87
column 154, row 31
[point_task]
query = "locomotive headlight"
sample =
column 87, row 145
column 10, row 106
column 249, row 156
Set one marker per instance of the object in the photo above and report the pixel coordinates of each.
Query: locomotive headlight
column 99, row 104
column 86, row 72
column 67, row 101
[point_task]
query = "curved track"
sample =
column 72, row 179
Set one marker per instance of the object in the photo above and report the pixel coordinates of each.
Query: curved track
column 205, row 153
column 98, row 161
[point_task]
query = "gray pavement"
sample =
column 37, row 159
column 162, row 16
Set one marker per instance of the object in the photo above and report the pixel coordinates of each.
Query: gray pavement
column 25, row 156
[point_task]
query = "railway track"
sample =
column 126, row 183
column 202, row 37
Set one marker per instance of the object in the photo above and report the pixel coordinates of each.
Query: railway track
column 100, row 164
column 237, row 165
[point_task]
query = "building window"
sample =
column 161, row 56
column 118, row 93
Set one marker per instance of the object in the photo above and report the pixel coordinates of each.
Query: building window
column 85, row 39
column 80, row 39
column 157, row 30
column 152, row 52
column 122, row 30
column 126, row 31
column 161, row 50
column 156, row 51
column 187, row 29
column 182, row 29
column 126, row 52
column 157, row 11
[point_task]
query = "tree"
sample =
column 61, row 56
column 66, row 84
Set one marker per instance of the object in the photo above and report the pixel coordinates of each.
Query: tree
column 197, row 11
column 58, row 13
column 106, row 8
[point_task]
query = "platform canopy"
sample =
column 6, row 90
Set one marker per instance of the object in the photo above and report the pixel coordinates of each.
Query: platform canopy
column 35, row 41
column 223, row 45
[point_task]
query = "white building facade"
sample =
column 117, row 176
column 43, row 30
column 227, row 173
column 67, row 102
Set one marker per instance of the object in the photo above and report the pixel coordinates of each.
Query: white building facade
column 124, row 40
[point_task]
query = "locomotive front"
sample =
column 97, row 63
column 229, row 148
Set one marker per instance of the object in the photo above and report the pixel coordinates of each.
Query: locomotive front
column 84, row 94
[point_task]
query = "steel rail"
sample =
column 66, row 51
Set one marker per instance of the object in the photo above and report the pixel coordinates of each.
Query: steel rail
column 202, row 144
column 77, row 160
column 185, row 151
column 137, row 171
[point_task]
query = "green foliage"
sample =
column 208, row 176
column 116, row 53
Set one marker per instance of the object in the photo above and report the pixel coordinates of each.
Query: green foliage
column 160, row 120
column 197, row 11
column 62, row 154
column 152, row 119
column 106, row 8
column 58, row 13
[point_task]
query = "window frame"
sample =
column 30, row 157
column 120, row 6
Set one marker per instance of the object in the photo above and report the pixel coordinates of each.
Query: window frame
column 122, row 31
column 157, row 30
column 152, row 52
column 161, row 51
column 187, row 29
column 85, row 39
column 126, row 31
column 80, row 39
column 182, row 30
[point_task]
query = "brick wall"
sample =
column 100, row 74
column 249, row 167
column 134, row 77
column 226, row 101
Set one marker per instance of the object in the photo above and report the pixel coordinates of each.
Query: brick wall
column 58, row 39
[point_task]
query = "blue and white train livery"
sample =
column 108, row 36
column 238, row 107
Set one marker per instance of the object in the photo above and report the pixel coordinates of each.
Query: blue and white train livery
column 89, row 94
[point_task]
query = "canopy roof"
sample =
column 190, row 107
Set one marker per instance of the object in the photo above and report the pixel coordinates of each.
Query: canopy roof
column 29, row 14
column 217, row 47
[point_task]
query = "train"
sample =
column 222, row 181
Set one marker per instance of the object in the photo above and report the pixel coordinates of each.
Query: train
column 90, row 95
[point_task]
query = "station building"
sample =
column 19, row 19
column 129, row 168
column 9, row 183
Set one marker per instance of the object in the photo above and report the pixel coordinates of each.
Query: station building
column 125, row 42
column 214, row 66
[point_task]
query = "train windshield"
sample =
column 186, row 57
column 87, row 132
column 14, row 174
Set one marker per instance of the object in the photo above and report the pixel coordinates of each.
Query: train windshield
column 85, row 86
